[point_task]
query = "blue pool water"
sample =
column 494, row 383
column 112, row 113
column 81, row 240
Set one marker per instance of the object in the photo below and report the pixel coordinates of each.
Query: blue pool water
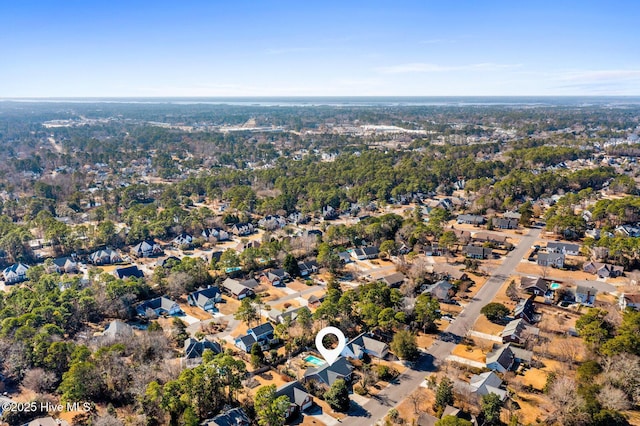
column 314, row 360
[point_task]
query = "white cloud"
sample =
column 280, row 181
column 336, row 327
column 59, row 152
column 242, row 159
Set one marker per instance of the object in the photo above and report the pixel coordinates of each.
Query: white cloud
column 421, row 67
column 600, row 75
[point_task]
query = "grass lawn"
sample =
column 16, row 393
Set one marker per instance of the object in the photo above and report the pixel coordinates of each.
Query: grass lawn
column 475, row 354
column 195, row 312
column 483, row 325
column 425, row 400
column 229, row 306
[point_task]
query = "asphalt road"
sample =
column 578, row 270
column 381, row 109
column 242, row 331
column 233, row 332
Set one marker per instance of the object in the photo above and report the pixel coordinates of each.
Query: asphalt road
column 391, row 396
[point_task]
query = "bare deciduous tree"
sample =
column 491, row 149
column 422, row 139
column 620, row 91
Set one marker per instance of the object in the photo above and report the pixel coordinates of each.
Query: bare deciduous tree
column 568, row 405
column 39, row 380
column 613, row 398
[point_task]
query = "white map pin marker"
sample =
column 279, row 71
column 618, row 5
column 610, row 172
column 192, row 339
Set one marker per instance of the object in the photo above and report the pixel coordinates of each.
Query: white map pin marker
column 330, row 355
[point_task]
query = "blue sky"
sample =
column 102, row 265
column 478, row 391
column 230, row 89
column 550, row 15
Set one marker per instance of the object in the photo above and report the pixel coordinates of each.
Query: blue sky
column 334, row 48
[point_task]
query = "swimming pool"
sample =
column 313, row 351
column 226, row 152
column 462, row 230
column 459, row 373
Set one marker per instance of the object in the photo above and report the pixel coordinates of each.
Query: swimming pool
column 314, row 360
column 554, row 286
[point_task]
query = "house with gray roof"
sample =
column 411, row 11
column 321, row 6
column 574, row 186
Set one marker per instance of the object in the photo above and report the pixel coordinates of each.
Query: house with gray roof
column 442, row 290
column 104, row 257
column 205, row 299
column 585, row 295
column 555, row 260
column 66, row 265
column 215, row 234
column 239, row 289
column 128, row 272
column 15, row 273
column 394, row 280
column 477, row 252
column 233, row 417
column 147, row 248
column 514, row 331
column 158, row 306
column 564, row 248
column 47, row 421
column 193, row 350
column 471, row 219
column 505, row 223
column 118, row 329
column 525, row 309
column 486, row 383
column 534, row 285
column 300, row 400
column 183, row 240
column 603, row 270
column 506, row 356
column 327, row 374
column 365, row 344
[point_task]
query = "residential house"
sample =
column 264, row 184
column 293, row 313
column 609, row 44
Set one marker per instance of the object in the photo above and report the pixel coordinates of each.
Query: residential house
column 15, row 273
column 118, row 329
column 345, row 257
column 307, row 268
column 233, row 417
column 477, row 252
column 262, row 334
column 205, row 299
column 629, row 301
column 525, row 309
column 280, row 317
column 365, row 253
column 271, row 223
column 104, row 257
column 47, row 421
column 158, row 306
column 555, row 260
column 603, row 270
column 128, row 272
column 628, row 230
column 564, row 248
column 245, row 342
column 243, row 245
column 242, row 229
column 364, row 344
column 442, row 290
column 327, row 374
column 463, row 236
column 193, row 349
column 314, row 301
column 300, row 400
column 329, row 213
column 394, row 280
column 534, row 285
column 488, row 237
column 471, row 219
column 215, row 234
column 586, row 295
column 239, row 289
column 449, row 272
column 514, row 331
column 66, row 265
column 147, row 248
column 505, row 357
column 486, row 383
column 276, row 277
column 512, row 215
column 505, row 223
column 183, row 240
column 433, row 249
column 298, row 218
